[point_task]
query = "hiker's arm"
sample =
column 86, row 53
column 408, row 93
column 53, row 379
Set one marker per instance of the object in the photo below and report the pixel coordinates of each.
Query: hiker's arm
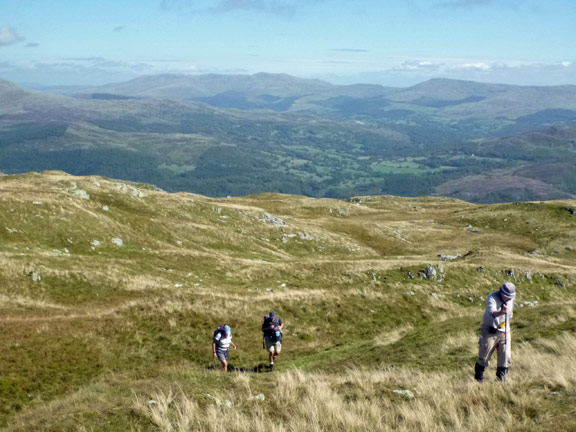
column 492, row 307
column 233, row 344
column 503, row 311
column 213, row 349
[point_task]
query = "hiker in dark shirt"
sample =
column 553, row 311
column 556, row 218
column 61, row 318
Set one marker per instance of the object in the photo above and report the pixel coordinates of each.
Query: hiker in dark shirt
column 272, row 332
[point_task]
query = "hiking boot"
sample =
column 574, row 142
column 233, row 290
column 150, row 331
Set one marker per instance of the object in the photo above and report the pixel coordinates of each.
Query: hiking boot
column 479, row 372
column 501, row 373
column 272, row 367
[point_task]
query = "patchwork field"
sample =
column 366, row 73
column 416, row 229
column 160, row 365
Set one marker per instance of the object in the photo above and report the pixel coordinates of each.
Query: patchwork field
column 110, row 292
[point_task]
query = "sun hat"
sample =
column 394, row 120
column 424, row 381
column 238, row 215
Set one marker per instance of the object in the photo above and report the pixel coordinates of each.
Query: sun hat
column 508, row 289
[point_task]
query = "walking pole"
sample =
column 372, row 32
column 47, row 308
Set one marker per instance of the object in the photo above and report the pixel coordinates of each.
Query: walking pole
column 506, row 346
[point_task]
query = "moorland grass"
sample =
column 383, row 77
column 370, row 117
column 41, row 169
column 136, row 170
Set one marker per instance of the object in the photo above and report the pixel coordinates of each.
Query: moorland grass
column 118, row 337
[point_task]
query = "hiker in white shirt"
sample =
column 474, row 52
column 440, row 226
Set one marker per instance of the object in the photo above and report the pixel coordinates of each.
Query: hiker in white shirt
column 495, row 332
column 221, row 342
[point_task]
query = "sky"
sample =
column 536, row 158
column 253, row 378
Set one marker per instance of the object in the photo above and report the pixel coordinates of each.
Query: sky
column 389, row 42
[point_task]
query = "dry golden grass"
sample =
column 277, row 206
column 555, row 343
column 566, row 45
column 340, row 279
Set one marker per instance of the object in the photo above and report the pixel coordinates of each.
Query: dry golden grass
column 364, row 399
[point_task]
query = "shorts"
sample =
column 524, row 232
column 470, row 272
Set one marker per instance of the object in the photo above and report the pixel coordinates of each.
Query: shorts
column 273, row 346
column 222, row 355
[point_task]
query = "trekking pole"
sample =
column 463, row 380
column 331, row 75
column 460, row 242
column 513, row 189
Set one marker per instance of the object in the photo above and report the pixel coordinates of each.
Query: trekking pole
column 506, row 346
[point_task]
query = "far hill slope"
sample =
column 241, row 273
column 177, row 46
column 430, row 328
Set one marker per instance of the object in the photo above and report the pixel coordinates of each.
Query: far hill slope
column 545, row 168
column 191, row 146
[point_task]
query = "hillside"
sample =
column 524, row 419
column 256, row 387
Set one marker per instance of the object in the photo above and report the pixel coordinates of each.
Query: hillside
column 110, row 291
column 421, row 142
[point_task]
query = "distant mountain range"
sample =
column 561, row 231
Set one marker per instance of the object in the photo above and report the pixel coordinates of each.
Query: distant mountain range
column 440, row 98
column 239, row 134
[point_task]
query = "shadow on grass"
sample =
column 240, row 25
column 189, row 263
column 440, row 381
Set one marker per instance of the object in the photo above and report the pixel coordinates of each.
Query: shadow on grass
column 260, row 368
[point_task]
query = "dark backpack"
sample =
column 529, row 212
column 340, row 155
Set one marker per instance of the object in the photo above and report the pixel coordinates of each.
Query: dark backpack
column 273, row 336
column 218, row 330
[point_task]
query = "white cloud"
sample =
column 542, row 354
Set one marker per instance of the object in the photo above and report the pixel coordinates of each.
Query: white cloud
column 477, row 65
column 9, row 36
column 274, row 7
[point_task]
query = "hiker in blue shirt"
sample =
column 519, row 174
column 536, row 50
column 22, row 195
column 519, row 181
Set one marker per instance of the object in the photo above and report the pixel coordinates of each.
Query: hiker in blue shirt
column 272, row 329
column 221, row 342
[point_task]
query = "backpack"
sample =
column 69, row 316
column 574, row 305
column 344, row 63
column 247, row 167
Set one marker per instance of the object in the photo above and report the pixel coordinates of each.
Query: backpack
column 218, row 330
column 273, row 336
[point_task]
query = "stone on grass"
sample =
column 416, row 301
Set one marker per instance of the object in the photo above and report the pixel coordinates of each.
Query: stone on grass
column 117, row 241
column 405, row 394
column 259, row 396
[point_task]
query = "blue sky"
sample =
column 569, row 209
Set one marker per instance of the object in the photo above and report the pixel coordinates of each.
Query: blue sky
column 388, row 42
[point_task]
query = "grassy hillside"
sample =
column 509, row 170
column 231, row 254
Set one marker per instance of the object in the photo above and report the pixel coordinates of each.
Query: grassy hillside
column 110, row 291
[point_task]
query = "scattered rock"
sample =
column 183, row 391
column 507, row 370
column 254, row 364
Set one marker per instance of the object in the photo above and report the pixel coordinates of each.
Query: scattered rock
column 274, row 220
column 470, row 299
column 449, row 257
column 433, row 273
column 61, row 252
column 259, row 396
column 80, row 193
column 132, row 190
column 95, row 244
column 510, row 274
column 117, row 241
column 36, row 277
column 217, row 210
column 106, row 208
column 405, row 394
column 528, row 303
column 218, row 402
column 286, row 237
column 306, row 236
